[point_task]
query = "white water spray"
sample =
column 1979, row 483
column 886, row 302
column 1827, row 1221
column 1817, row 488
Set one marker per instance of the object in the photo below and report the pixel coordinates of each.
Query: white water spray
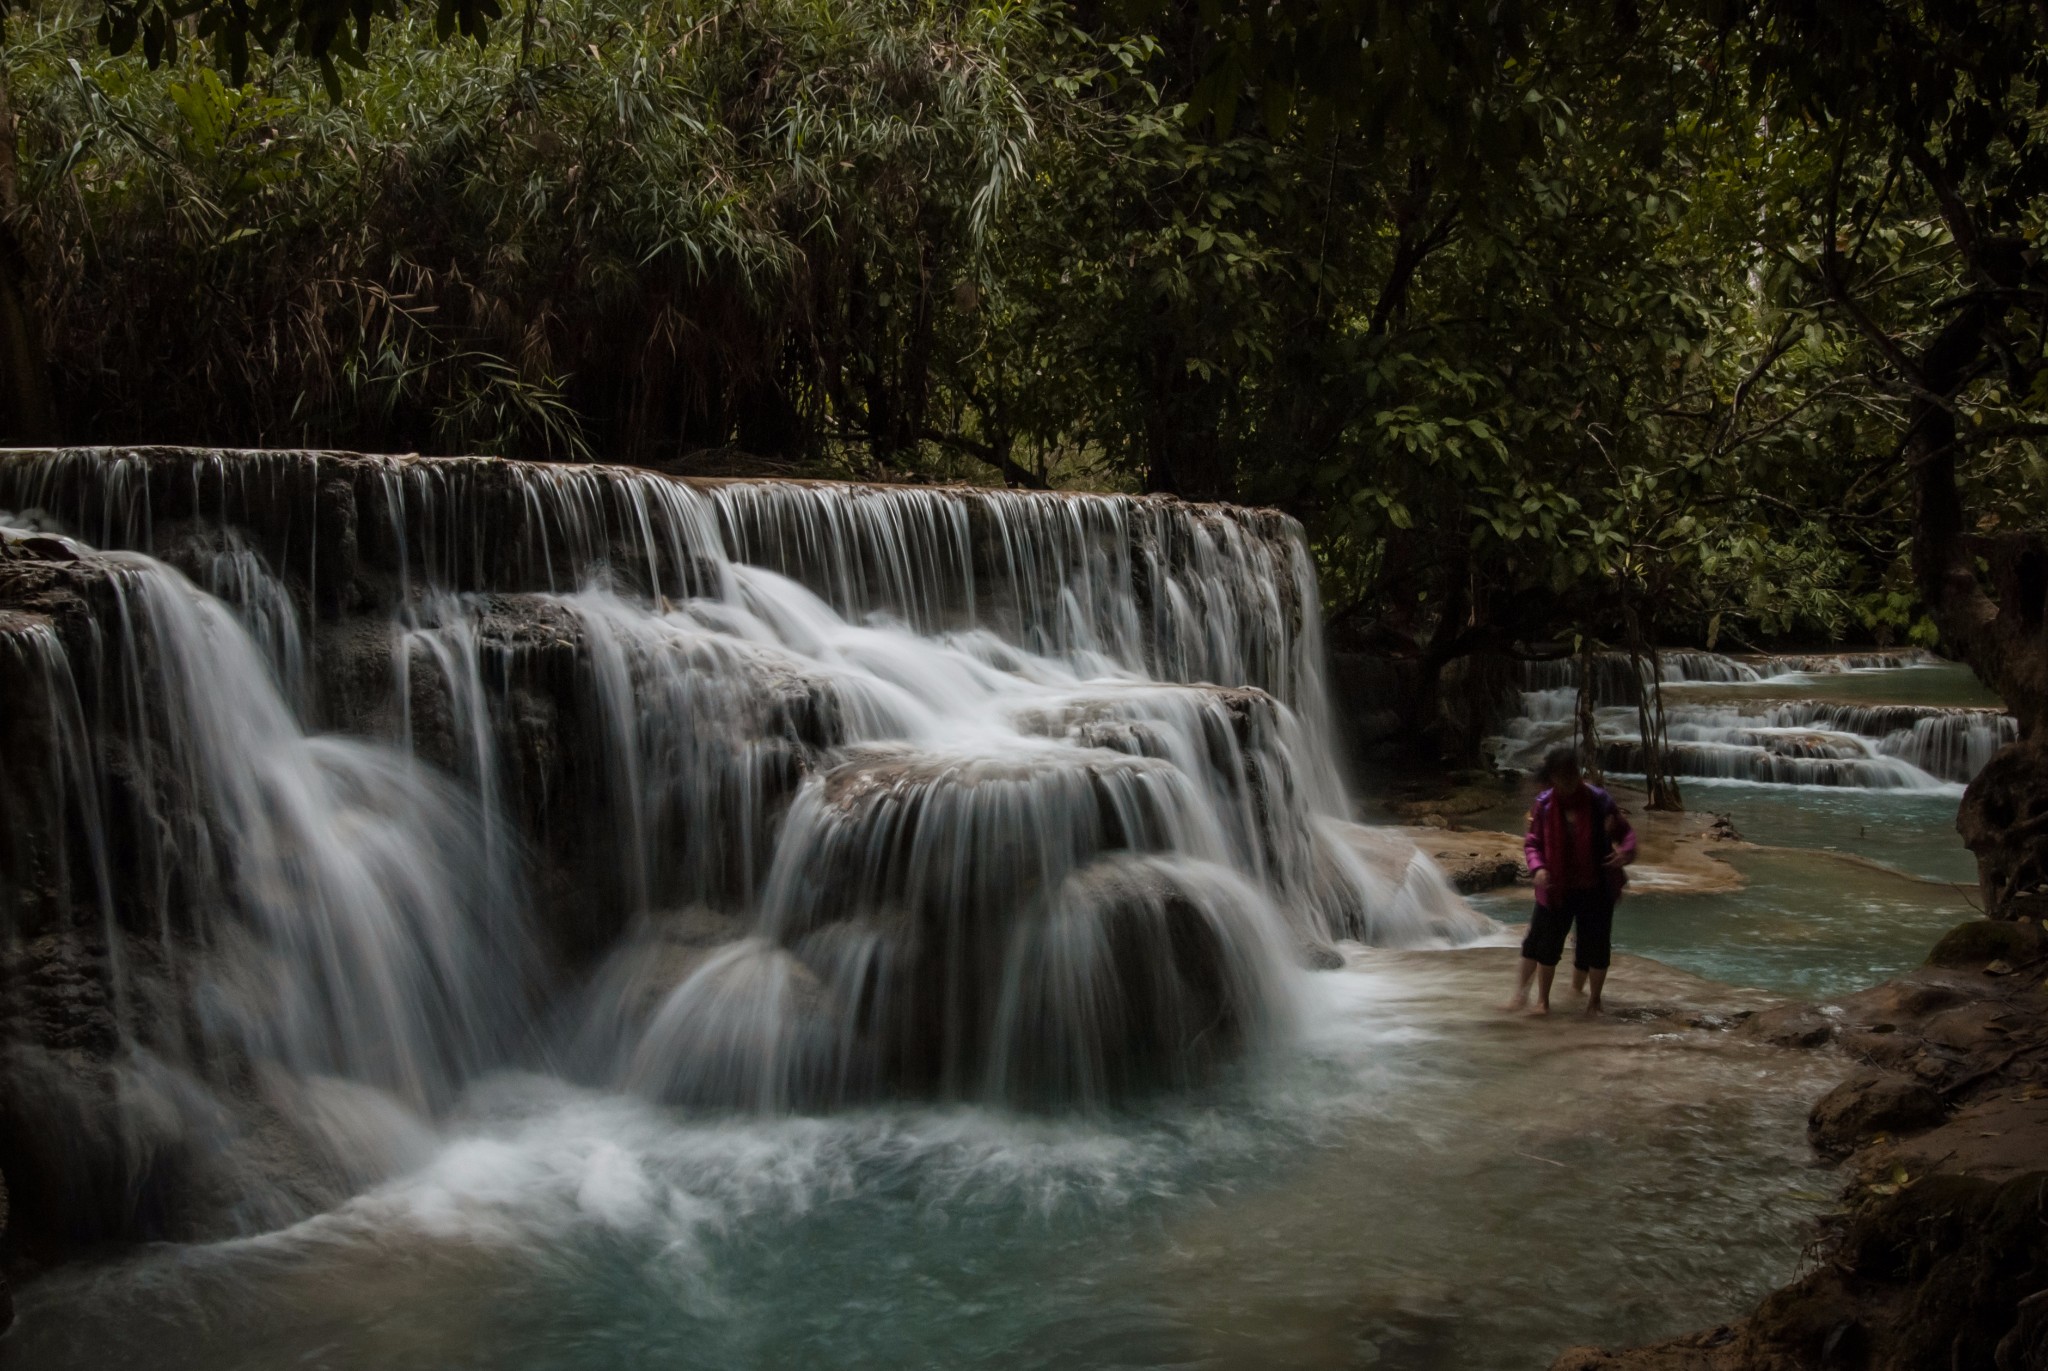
column 957, row 793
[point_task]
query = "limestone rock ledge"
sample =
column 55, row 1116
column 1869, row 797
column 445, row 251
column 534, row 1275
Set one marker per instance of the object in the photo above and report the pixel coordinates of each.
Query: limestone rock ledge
column 1938, row 1254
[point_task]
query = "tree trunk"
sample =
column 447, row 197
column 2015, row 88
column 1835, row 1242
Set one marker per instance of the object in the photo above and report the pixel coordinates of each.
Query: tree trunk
column 1994, row 619
column 2001, row 639
column 1659, row 785
column 1660, row 788
column 1585, row 727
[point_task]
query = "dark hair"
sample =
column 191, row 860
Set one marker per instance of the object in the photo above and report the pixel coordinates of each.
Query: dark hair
column 1557, row 762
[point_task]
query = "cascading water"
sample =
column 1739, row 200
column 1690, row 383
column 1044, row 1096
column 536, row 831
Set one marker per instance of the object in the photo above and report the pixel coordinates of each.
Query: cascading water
column 1745, row 733
column 387, row 948
column 573, row 919
column 1843, row 772
column 784, row 795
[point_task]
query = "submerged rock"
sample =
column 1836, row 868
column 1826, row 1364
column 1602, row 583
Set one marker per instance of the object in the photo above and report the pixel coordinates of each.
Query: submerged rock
column 1474, row 859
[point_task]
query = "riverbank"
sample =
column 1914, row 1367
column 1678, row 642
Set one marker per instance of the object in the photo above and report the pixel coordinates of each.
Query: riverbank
column 1937, row 1253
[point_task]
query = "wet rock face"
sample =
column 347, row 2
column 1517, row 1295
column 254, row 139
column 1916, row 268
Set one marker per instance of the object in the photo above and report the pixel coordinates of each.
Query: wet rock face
column 2004, row 821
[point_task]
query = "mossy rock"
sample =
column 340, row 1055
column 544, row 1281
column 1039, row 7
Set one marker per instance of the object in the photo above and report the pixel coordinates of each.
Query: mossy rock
column 1981, row 941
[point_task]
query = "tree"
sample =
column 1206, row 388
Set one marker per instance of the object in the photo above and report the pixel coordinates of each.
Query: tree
column 654, row 232
column 1919, row 228
column 325, row 31
column 1553, row 324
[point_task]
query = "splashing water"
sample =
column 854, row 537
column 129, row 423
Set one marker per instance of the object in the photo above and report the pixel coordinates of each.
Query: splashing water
column 966, row 794
column 891, row 904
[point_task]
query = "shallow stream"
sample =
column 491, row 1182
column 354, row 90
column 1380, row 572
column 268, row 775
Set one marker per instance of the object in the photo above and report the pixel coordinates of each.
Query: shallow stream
column 1422, row 1183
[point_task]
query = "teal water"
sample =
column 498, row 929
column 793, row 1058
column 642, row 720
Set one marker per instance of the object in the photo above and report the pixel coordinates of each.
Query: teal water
column 1853, row 887
column 1416, row 1182
column 1909, row 831
column 1808, row 925
column 1419, row 1183
column 1847, row 886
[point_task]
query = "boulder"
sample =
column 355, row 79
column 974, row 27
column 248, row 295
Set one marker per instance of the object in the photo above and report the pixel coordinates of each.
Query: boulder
column 2025, row 1348
column 1980, row 942
column 1867, row 1103
column 2004, row 821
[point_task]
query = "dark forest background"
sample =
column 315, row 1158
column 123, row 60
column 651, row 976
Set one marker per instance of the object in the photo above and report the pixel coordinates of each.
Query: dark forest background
column 1556, row 325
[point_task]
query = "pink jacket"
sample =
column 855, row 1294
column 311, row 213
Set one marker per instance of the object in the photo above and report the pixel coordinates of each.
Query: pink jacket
column 1614, row 834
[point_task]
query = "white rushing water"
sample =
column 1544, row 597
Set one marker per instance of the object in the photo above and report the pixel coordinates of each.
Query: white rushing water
column 1767, row 720
column 616, row 922
column 969, row 815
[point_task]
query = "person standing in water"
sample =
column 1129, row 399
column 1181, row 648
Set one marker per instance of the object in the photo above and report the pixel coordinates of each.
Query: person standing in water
column 1577, row 844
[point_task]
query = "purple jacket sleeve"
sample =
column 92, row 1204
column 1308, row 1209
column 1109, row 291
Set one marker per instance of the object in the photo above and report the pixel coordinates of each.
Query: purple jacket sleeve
column 1621, row 833
column 1532, row 839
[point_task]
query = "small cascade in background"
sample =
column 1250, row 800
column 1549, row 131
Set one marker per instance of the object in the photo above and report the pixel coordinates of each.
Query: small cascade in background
column 758, row 795
column 1774, row 724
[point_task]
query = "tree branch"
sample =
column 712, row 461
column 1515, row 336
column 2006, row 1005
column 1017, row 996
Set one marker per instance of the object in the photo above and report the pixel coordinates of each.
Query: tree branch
column 1013, row 474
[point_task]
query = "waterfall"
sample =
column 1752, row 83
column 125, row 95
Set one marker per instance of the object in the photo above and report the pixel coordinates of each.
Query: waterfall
column 758, row 795
column 383, row 948
column 1728, row 736
column 1615, row 681
column 53, row 829
column 1952, row 744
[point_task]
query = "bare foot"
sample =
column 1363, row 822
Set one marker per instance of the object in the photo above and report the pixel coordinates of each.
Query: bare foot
column 1594, row 1010
column 1514, row 1006
column 1538, row 1011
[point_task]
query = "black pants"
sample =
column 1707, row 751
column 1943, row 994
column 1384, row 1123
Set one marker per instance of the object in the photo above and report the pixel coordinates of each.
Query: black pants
column 1592, row 909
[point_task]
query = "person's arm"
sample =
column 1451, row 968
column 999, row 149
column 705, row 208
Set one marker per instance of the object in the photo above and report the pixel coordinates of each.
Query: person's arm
column 1621, row 837
column 1532, row 847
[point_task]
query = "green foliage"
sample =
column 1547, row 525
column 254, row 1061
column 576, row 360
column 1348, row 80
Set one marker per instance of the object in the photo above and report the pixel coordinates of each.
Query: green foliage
column 656, row 229
column 326, row 32
column 1551, row 322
